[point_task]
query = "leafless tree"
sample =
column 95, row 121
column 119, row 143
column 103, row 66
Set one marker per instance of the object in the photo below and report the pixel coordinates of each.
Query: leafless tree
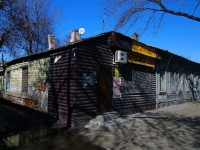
column 25, row 25
column 151, row 12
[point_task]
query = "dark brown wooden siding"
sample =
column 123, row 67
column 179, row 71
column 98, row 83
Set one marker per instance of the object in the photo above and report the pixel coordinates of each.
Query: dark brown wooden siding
column 25, row 80
column 93, row 68
column 170, row 61
column 81, row 81
column 61, row 85
column 138, row 89
column 119, row 41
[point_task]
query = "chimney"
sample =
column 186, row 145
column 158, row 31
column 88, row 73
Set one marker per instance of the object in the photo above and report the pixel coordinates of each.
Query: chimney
column 135, row 36
column 75, row 36
column 51, row 41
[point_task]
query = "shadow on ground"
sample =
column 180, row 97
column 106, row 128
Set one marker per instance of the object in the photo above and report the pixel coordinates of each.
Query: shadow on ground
column 150, row 130
column 30, row 124
column 153, row 130
column 15, row 118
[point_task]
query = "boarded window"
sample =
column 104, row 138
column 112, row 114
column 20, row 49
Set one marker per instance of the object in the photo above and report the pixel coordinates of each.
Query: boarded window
column 173, row 81
column 162, row 81
column 181, row 82
column 136, row 79
column 25, row 80
column 141, row 82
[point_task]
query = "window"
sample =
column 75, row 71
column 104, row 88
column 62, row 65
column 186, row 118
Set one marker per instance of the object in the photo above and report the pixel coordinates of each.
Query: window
column 8, row 81
column 141, row 82
column 162, row 81
column 181, row 82
column 25, row 80
column 173, row 81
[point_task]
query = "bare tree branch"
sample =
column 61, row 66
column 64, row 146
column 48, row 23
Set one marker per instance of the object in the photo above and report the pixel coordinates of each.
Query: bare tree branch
column 196, row 7
column 131, row 12
column 25, row 25
column 148, row 22
column 175, row 12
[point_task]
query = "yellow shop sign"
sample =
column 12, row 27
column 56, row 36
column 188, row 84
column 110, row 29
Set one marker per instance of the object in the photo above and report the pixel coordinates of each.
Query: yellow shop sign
column 143, row 49
column 140, row 59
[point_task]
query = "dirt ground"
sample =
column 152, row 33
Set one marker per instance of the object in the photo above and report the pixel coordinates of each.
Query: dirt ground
column 170, row 128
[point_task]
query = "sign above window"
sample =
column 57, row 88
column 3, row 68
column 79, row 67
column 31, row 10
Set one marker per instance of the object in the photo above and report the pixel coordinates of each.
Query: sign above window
column 143, row 49
column 140, row 59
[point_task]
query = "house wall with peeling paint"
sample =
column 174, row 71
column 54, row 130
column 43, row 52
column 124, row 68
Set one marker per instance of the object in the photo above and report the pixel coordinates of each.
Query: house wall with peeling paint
column 38, row 74
column 178, row 79
column 38, row 68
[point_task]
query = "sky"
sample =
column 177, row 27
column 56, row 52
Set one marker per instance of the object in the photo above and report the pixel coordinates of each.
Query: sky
column 178, row 35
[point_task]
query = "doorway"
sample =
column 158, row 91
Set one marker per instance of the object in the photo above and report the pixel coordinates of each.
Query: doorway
column 25, row 80
column 8, row 81
column 104, row 89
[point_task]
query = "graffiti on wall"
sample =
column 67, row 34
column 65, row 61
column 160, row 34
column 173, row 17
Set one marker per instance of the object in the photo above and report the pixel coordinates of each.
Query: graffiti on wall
column 171, row 103
column 90, row 79
column 57, row 58
column 179, row 86
column 192, row 83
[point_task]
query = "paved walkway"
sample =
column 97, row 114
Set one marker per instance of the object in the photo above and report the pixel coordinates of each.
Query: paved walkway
column 170, row 128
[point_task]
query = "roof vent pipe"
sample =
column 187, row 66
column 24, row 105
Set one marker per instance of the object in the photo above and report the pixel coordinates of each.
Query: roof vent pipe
column 51, row 41
column 135, row 36
column 75, row 36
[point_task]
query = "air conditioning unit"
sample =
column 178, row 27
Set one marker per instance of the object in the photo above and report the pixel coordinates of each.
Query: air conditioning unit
column 120, row 57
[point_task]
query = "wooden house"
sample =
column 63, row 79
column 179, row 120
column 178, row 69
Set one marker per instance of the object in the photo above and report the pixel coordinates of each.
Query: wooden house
column 107, row 72
column 178, row 79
